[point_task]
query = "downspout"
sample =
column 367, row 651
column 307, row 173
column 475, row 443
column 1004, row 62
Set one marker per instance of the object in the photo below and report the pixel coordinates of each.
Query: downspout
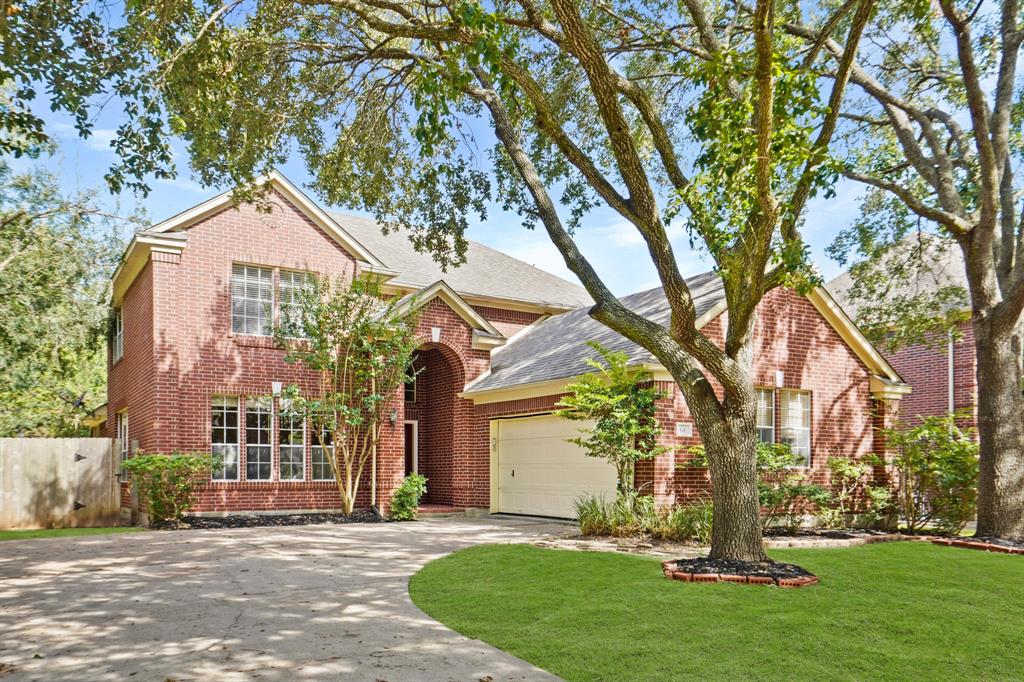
column 373, row 452
column 949, row 352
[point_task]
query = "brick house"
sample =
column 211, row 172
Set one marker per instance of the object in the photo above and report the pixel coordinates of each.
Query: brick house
column 941, row 370
column 193, row 367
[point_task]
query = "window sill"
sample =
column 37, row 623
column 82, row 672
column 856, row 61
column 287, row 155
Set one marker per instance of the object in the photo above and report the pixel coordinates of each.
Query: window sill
column 254, row 341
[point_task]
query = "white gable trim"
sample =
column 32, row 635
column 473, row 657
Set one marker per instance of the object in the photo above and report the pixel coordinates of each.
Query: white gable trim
column 485, row 336
column 137, row 255
column 295, row 196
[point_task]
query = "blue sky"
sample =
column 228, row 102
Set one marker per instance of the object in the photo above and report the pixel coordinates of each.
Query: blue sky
column 614, row 247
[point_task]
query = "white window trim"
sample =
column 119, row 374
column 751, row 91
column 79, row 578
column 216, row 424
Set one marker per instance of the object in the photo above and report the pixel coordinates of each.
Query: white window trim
column 313, row 446
column 272, row 304
column 759, row 426
column 117, row 345
column 123, row 436
column 281, row 446
column 237, row 443
column 244, row 428
column 809, row 412
column 281, row 287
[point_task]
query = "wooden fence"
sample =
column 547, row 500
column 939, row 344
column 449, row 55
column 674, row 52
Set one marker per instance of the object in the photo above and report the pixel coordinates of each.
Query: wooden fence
column 58, row 482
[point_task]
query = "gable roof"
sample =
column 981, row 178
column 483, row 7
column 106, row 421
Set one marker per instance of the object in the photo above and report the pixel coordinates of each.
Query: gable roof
column 944, row 268
column 486, row 274
column 555, row 350
column 485, row 336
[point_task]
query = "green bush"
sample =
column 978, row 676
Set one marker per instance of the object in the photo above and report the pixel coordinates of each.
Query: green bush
column 854, row 501
column 936, row 467
column 167, row 484
column 406, row 498
column 633, row 514
column 593, row 515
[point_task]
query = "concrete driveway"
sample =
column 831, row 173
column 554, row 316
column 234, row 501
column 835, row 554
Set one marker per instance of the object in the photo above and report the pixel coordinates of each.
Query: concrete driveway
column 263, row 603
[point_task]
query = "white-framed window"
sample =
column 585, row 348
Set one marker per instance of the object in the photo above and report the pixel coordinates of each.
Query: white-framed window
column 292, row 285
column 117, row 339
column 258, row 446
column 765, row 415
column 292, row 439
column 252, row 300
column 321, row 456
column 224, row 437
column 122, row 435
column 795, row 422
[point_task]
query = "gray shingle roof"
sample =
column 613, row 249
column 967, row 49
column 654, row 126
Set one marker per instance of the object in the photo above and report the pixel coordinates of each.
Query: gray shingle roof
column 487, row 272
column 556, row 348
column 943, row 267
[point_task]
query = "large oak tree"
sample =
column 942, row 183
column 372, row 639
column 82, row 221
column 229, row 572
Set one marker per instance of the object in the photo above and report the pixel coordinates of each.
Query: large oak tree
column 691, row 116
column 934, row 129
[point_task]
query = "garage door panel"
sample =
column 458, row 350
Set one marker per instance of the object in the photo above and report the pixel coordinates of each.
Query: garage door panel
column 539, row 472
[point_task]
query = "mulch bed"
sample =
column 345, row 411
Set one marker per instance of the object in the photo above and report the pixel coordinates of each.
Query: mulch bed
column 707, row 570
column 985, row 544
column 266, row 520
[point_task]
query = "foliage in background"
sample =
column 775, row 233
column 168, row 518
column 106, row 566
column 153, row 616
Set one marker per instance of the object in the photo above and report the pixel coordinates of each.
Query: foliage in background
column 56, row 257
column 618, row 399
column 633, row 514
column 406, row 498
column 936, row 465
column 855, row 502
column 167, row 484
column 359, row 345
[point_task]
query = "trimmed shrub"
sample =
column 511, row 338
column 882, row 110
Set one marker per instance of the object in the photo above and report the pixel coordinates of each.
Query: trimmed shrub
column 406, row 498
column 633, row 514
column 167, row 484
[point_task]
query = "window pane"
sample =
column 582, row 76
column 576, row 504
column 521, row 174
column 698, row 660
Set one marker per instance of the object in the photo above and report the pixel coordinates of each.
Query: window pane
column 224, row 436
column 257, row 439
column 766, row 415
column 292, row 437
column 252, row 299
column 796, row 422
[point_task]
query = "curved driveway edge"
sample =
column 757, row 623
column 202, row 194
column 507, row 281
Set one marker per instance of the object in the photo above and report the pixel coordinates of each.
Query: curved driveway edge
column 300, row 602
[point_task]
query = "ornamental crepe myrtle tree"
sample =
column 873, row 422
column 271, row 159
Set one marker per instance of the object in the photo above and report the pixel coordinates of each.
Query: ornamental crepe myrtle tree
column 360, row 347
column 934, row 126
column 691, row 115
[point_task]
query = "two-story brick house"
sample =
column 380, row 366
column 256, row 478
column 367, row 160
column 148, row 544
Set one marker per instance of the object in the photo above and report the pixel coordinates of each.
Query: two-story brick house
column 193, row 366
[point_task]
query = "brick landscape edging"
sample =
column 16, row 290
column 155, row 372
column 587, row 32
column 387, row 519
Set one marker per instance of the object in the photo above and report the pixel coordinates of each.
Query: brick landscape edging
column 974, row 544
column 673, row 572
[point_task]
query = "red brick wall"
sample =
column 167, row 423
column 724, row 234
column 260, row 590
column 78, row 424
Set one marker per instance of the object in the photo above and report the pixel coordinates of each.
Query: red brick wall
column 180, row 352
column 508, row 322
column 925, row 367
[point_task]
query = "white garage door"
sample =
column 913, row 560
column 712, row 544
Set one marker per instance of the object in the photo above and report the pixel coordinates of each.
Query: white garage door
column 538, row 472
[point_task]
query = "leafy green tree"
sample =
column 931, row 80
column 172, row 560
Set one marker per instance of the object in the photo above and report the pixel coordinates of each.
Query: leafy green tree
column 621, row 403
column 705, row 116
column 934, row 131
column 359, row 345
column 56, row 257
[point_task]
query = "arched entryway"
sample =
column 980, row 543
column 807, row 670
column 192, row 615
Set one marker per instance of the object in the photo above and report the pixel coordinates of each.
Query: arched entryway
column 432, row 410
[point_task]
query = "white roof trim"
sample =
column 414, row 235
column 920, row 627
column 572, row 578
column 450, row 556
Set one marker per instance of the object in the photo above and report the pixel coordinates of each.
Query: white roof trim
column 137, row 255
column 440, row 289
column 279, row 182
column 851, row 334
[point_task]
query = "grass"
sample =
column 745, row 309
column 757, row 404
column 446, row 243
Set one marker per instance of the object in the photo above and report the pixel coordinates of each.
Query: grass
column 895, row 611
column 62, row 532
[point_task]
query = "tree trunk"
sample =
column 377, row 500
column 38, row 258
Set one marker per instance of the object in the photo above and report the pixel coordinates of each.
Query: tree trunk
column 1000, row 432
column 732, row 461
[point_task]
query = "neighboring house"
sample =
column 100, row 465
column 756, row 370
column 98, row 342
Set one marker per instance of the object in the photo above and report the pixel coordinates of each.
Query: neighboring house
column 942, row 370
column 193, row 367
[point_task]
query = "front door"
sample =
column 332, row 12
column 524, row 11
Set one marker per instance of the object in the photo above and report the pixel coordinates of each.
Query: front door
column 411, row 447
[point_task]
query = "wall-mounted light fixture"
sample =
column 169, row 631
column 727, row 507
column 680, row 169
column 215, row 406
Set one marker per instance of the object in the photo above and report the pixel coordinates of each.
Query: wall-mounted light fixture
column 275, row 387
column 393, row 417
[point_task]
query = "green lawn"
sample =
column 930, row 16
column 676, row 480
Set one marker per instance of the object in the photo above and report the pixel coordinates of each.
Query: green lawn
column 895, row 611
column 62, row 532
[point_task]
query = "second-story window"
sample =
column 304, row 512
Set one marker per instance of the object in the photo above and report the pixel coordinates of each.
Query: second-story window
column 117, row 339
column 252, row 300
column 293, row 285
